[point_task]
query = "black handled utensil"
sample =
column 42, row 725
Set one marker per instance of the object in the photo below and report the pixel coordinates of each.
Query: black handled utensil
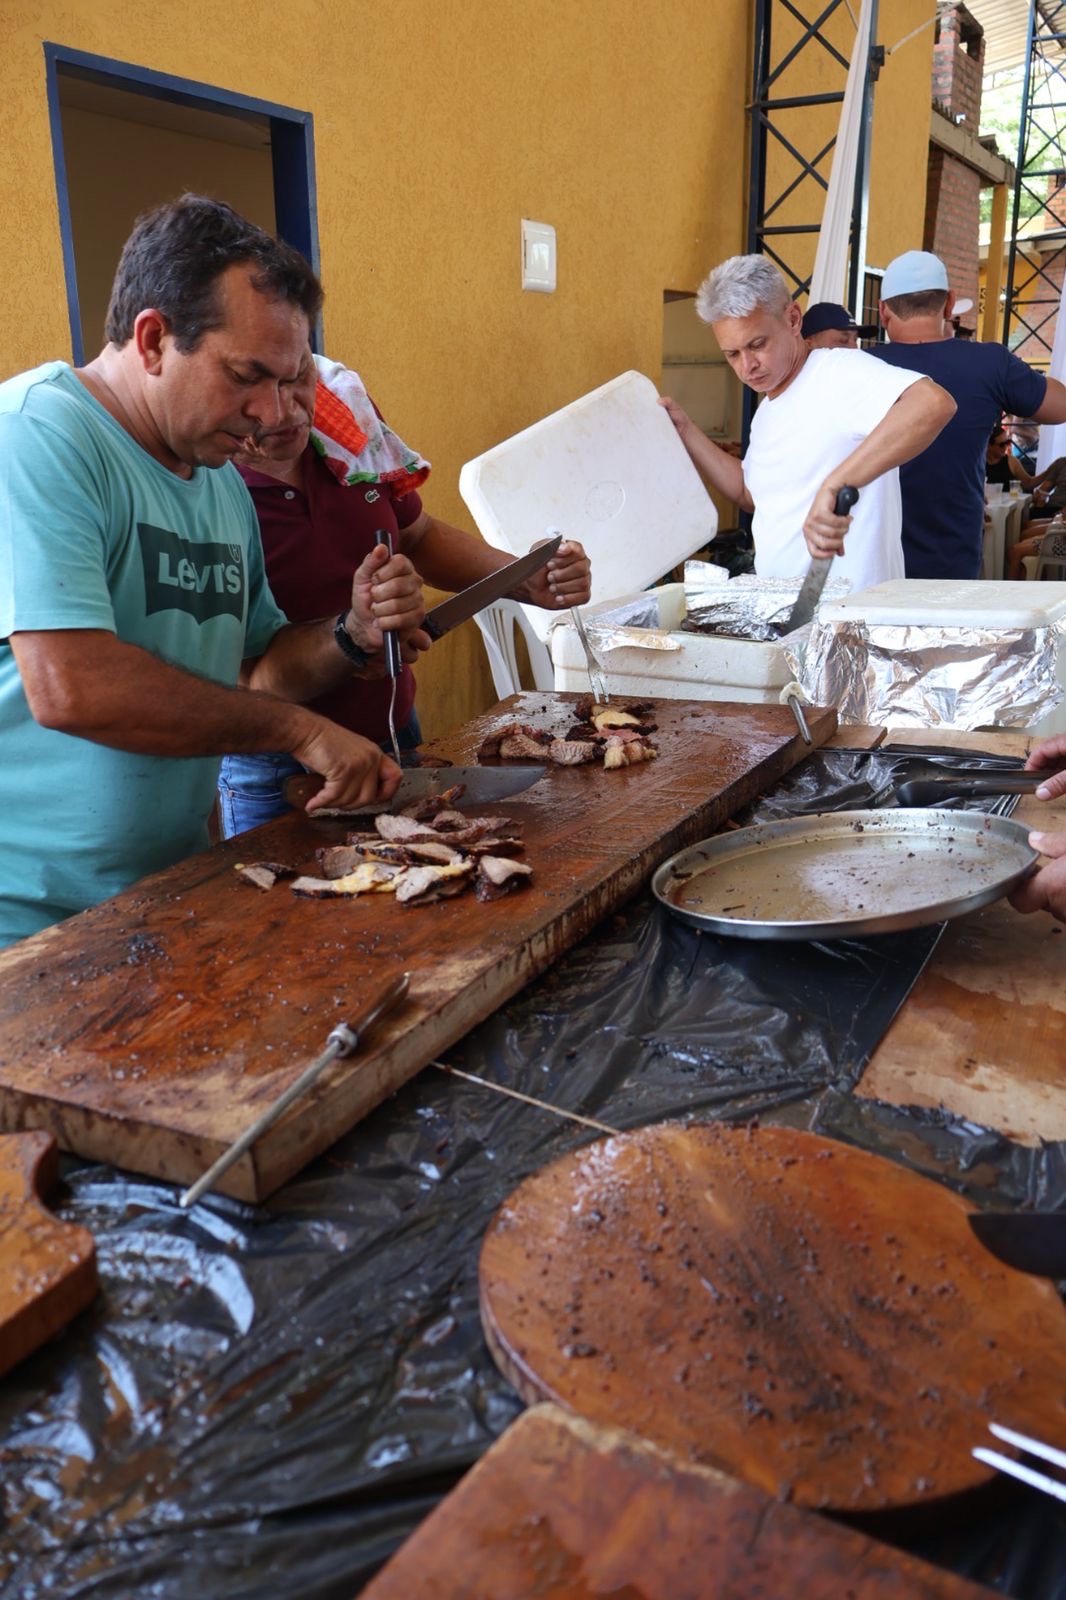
column 934, row 791
column 813, row 584
column 392, row 660
column 1031, row 1241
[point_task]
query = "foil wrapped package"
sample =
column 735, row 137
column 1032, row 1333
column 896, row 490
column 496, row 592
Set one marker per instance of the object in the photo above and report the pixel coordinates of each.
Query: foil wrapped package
column 745, row 607
column 931, row 677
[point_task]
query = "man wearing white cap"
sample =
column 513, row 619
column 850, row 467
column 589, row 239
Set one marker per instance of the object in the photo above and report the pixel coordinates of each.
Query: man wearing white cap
column 943, row 487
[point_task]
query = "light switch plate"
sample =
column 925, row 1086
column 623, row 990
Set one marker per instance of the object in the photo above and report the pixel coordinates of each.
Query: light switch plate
column 538, row 256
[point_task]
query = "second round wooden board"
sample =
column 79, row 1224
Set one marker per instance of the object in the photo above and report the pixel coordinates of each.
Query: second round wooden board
column 813, row 1319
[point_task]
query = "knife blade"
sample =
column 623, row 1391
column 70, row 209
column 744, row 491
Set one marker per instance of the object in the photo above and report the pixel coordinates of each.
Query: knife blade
column 343, row 1040
column 468, row 602
column 813, row 584
column 480, row 784
column 1031, row 1241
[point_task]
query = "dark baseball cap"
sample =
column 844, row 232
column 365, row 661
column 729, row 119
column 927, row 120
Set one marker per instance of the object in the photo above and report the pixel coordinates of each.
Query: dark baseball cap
column 826, row 314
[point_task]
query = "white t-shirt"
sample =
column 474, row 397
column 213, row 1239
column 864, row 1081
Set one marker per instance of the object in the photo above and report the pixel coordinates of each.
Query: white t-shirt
column 798, row 439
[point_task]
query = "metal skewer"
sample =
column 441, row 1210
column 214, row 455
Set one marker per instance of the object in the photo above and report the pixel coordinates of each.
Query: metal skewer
column 1015, row 1469
column 392, row 661
column 343, row 1040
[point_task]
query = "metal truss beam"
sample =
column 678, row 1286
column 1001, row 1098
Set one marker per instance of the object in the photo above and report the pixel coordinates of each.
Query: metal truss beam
column 1034, row 279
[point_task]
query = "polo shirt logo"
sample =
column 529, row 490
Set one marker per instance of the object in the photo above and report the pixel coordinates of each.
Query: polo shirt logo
column 372, row 495
column 201, row 577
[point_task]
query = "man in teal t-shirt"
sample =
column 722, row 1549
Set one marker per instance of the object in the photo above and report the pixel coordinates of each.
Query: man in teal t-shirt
column 133, row 597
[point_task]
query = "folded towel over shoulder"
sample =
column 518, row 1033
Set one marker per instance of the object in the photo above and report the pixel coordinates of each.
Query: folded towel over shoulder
column 355, row 444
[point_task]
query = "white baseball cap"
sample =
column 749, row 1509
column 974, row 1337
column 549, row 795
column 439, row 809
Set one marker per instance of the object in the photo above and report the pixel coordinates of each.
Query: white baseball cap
column 914, row 272
column 961, row 307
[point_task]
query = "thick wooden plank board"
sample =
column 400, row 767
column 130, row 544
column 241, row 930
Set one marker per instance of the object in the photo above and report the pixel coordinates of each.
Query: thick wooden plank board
column 813, row 1319
column 47, row 1267
column 566, row 1508
column 151, row 1030
column 983, row 1033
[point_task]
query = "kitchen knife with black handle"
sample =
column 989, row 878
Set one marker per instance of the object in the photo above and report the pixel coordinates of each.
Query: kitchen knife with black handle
column 813, row 584
column 468, row 602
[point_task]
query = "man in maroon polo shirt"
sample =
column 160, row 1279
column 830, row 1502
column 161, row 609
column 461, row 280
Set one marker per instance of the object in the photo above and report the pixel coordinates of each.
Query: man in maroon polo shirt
column 316, row 530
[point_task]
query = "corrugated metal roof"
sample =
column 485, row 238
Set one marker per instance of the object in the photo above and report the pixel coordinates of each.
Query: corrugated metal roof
column 1006, row 28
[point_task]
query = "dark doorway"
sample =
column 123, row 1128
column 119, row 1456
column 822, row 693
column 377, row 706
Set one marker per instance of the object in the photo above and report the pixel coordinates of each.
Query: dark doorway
column 125, row 139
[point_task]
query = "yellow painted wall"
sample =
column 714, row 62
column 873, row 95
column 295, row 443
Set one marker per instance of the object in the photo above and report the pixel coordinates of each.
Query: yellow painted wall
column 439, row 124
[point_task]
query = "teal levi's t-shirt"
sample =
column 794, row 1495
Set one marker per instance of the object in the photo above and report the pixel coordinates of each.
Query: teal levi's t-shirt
column 95, row 533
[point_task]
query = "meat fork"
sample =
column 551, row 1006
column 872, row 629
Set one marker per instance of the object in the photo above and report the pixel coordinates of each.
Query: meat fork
column 1031, row 1447
column 593, row 661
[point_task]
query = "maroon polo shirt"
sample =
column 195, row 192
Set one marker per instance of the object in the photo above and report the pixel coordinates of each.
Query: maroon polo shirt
column 312, row 543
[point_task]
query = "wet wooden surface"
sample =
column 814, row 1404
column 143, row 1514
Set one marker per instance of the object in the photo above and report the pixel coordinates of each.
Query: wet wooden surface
column 808, row 1317
column 152, row 1029
column 983, row 1032
column 565, row 1508
column 47, row 1267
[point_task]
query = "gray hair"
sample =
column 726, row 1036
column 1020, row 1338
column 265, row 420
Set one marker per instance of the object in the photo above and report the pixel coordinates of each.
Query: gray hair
column 740, row 286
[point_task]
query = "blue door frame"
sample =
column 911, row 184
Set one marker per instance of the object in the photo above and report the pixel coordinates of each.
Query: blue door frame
column 292, row 148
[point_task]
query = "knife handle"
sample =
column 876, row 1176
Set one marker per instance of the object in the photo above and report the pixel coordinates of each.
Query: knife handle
column 392, row 643
column 846, row 498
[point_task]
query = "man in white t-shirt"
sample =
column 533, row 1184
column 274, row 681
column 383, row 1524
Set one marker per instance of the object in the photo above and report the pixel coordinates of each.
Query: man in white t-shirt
column 828, row 418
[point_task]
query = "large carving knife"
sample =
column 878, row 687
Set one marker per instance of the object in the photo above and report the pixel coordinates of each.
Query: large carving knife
column 468, row 602
column 813, row 584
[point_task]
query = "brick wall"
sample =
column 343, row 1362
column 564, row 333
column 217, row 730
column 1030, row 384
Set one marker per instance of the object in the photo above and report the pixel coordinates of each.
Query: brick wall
column 953, row 190
column 958, row 64
column 952, row 216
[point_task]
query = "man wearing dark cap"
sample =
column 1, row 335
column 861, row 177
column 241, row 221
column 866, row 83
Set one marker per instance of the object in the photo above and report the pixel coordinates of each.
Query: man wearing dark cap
column 827, row 326
column 943, row 487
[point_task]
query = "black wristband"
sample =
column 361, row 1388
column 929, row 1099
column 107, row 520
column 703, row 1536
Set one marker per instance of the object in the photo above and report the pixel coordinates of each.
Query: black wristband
column 347, row 644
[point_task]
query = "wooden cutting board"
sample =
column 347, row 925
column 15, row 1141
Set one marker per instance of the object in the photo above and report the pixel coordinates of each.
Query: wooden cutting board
column 151, row 1030
column 47, row 1267
column 564, row 1508
column 801, row 1314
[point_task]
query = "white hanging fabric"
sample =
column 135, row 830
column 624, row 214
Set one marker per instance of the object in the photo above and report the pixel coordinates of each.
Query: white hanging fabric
column 1053, row 435
column 829, row 279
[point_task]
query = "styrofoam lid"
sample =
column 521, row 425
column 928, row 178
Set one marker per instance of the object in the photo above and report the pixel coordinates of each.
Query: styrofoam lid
column 608, row 470
column 952, row 603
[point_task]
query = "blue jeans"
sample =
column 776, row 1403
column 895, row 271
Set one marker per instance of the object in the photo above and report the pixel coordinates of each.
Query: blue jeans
column 251, row 788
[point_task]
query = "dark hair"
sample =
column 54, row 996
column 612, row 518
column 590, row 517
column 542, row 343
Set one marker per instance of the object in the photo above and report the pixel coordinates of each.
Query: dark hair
column 919, row 304
column 996, row 431
column 174, row 257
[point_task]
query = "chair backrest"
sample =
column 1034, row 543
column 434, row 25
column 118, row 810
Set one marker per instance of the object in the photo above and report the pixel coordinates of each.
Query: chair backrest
column 1051, row 551
column 498, row 623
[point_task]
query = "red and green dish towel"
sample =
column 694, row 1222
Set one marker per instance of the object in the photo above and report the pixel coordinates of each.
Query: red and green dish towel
column 355, row 444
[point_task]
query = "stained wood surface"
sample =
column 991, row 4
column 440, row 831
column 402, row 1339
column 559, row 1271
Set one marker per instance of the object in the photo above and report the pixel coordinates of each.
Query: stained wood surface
column 564, row 1508
column 47, row 1267
column 813, row 1319
column 151, row 1030
column 983, row 1033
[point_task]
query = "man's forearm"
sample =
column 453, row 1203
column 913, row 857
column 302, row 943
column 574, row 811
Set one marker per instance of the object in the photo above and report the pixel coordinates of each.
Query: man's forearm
column 721, row 470
column 447, row 557
column 90, row 684
column 304, row 660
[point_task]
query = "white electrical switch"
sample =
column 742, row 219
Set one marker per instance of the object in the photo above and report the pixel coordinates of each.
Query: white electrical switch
column 538, row 256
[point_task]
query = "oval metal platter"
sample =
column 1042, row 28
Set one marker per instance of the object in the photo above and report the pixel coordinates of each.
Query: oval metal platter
column 845, row 874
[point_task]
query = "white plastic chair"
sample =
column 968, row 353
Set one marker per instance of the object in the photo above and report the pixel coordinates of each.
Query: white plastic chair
column 1051, row 552
column 498, row 623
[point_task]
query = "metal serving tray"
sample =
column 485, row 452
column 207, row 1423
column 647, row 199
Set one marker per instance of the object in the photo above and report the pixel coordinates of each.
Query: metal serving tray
column 845, row 874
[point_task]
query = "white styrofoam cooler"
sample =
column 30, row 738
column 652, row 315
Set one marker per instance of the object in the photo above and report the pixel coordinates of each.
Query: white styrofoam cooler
column 608, row 470
column 950, row 603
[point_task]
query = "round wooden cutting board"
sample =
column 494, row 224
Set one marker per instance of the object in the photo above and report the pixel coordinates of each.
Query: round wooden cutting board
column 808, row 1317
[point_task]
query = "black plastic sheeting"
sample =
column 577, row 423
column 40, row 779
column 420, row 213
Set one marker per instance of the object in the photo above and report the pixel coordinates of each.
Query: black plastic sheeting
column 266, row 1401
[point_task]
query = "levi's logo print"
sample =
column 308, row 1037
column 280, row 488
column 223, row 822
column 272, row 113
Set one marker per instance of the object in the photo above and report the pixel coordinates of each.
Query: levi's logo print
column 203, row 578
